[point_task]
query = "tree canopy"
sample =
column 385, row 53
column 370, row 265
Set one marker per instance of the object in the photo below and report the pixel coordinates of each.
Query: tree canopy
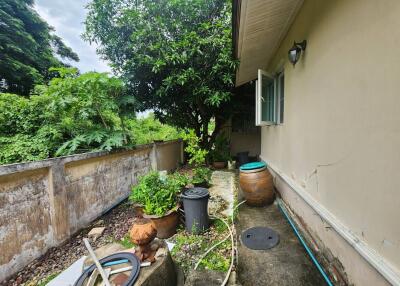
column 28, row 47
column 73, row 114
column 174, row 55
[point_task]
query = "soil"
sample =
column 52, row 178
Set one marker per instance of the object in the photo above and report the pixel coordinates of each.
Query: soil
column 116, row 222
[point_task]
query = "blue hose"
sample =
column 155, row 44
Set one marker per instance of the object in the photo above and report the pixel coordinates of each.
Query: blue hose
column 315, row 261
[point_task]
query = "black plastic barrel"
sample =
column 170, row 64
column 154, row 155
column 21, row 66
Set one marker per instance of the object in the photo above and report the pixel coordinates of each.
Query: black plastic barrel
column 195, row 204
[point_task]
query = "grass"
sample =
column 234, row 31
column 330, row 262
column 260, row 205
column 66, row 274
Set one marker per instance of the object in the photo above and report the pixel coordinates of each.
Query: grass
column 216, row 260
column 46, row 280
column 189, row 248
column 126, row 242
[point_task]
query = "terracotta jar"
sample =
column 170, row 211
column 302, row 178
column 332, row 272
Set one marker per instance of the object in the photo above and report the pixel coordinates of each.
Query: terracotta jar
column 219, row 165
column 166, row 224
column 256, row 184
column 142, row 234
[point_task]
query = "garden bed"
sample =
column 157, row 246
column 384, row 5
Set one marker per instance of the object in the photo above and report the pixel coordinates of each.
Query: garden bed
column 187, row 251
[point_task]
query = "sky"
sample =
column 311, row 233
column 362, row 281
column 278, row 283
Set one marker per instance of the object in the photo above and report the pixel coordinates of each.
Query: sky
column 67, row 17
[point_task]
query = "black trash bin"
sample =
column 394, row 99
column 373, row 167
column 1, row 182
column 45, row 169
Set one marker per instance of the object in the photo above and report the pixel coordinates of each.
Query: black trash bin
column 242, row 158
column 195, row 204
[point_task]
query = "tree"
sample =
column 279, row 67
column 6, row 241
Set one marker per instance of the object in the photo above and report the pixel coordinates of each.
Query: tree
column 174, row 55
column 71, row 114
column 28, row 47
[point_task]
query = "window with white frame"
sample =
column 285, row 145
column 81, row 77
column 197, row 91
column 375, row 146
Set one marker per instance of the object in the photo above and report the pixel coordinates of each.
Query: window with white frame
column 269, row 98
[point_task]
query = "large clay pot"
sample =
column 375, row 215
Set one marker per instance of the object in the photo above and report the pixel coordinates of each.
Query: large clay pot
column 166, row 224
column 219, row 165
column 257, row 186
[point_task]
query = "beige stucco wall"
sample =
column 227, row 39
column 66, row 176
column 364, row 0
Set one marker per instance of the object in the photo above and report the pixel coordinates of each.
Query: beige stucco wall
column 341, row 137
column 43, row 203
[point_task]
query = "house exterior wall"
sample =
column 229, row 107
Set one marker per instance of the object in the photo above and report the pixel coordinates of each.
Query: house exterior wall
column 340, row 140
column 43, row 203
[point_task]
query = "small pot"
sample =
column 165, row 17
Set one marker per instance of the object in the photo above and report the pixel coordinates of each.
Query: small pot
column 166, row 224
column 219, row 165
column 203, row 184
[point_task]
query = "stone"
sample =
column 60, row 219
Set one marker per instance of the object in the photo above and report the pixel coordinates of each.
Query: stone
column 204, row 278
column 160, row 273
column 96, row 232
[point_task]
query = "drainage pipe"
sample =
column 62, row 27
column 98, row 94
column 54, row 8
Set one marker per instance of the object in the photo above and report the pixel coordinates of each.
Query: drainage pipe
column 315, row 261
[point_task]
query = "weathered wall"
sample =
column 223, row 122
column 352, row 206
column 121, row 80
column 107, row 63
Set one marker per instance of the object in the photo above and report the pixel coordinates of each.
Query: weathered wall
column 341, row 136
column 43, row 203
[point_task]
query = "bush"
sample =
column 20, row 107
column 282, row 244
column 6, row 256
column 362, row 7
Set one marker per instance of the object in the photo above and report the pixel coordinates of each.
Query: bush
column 220, row 151
column 146, row 130
column 197, row 155
column 158, row 194
column 201, row 176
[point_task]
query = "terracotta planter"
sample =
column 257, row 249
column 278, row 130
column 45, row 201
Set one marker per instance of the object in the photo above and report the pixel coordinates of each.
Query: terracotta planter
column 166, row 224
column 142, row 234
column 219, row 165
column 202, row 185
column 257, row 187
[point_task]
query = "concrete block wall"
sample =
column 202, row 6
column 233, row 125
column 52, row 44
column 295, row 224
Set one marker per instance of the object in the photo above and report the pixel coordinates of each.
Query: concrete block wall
column 43, row 203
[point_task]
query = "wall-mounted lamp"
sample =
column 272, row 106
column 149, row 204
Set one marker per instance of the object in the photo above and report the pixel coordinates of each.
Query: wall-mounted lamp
column 295, row 51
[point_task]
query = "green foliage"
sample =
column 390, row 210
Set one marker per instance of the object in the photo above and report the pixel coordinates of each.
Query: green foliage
column 215, row 260
column 201, row 176
column 146, row 130
column 219, row 226
column 73, row 113
column 126, row 242
column 197, row 155
column 220, row 151
column 48, row 279
column 28, row 47
column 158, row 194
column 175, row 56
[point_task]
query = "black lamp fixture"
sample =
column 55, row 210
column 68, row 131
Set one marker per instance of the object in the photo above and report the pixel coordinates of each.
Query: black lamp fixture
column 295, row 51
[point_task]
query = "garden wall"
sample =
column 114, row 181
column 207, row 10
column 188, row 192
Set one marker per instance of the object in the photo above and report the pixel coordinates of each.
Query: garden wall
column 43, row 203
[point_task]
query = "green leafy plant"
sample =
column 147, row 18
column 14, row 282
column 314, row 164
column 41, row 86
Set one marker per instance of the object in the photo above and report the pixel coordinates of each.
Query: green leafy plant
column 175, row 56
column 28, row 47
column 157, row 194
column 220, row 151
column 197, row 155
column 201, row 176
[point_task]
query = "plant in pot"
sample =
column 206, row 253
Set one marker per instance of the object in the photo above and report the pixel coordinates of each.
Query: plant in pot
column 158, row 198
column 220, row 154
column 201, row 177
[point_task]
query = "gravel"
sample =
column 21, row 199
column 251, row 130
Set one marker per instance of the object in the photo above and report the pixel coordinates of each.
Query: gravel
column 117, row 223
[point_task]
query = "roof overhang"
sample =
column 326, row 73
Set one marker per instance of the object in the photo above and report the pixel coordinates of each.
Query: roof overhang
column 259, row 27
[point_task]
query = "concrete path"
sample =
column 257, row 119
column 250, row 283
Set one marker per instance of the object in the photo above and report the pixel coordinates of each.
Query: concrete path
column 222, row 192
column 285, row 264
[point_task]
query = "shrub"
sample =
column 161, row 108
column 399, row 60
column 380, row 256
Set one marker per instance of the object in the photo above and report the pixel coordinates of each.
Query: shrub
column 201, row 176
column 158, row 194
column 220, row 151
column 197, row 155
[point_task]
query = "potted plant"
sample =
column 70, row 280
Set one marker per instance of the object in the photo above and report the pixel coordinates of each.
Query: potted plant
column 201, row 177
column 220, row 154
column 158, row 199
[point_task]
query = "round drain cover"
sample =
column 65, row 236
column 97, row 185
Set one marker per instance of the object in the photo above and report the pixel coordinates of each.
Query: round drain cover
column 260, row 238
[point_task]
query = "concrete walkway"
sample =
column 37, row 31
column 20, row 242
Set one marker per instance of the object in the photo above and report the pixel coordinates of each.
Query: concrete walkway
column 222, row 192
column 285, row 264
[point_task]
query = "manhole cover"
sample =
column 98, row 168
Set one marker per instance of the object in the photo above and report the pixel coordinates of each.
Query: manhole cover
column 260, row 238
